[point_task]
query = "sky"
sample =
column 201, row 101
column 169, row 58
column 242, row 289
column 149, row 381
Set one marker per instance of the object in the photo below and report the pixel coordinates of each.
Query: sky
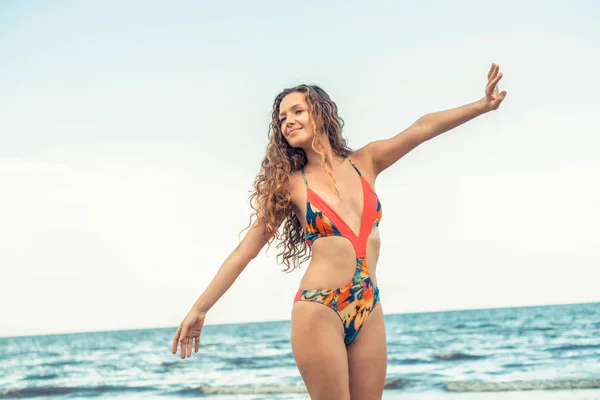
column 131, row 133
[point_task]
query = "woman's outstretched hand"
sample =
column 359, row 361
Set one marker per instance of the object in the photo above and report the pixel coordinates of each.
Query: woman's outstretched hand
column 188, row 333
column 492, row 96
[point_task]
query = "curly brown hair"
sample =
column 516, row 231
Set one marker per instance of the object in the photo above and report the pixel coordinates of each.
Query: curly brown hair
column 271, row 199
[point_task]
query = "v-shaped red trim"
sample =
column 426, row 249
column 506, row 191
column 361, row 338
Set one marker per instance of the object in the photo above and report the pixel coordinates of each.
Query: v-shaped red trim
column 369, row 213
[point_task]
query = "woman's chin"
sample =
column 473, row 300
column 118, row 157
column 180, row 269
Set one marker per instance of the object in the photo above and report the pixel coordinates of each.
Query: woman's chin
column 300, row 142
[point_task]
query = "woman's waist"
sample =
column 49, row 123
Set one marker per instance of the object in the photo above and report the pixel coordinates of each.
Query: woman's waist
column 334, row 273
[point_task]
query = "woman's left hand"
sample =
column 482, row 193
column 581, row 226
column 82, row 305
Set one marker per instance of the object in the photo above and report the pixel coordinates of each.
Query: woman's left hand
column 493, row 98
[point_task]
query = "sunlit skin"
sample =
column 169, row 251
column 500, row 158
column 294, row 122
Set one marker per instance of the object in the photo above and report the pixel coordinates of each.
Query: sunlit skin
column 330, row 369
column 332, row 265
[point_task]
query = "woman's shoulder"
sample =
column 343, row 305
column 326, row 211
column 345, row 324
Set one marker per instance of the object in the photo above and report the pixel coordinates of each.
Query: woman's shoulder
column 363, row 159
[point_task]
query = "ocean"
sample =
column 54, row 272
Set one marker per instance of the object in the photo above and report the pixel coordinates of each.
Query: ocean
column 546, row 352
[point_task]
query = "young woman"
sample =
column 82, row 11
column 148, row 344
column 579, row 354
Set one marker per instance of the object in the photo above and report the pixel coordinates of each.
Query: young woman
column 320, row 193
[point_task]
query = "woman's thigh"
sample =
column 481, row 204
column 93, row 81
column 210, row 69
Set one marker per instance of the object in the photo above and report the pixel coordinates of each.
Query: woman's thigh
column 367, row 358
column 317, row 337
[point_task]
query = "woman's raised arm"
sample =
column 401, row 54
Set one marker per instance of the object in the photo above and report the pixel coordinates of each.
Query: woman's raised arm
column 384, row 153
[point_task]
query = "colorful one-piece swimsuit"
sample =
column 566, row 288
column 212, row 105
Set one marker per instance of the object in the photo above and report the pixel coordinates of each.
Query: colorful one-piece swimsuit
column 354, row 301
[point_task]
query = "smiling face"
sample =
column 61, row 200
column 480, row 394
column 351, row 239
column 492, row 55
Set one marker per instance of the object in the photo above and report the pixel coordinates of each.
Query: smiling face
column 295, row 121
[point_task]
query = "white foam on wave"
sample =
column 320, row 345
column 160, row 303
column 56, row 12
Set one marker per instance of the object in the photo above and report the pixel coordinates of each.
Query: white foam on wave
column 471, row 386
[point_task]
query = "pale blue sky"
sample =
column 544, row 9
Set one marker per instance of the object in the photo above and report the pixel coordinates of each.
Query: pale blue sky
column 130, row 134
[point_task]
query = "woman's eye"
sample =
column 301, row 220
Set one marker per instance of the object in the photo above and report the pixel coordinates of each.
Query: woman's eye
column 298, row 111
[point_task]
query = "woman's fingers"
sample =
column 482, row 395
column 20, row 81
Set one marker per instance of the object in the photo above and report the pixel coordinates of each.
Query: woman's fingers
column 492, row 92
column 188, row 334
column 184, row 346
column 495, row 103
column 501, row 96
column 187, row 344
column 492, row 87
column 183, row 340
column 493, row 71
column 175, row 341
column 497, row 79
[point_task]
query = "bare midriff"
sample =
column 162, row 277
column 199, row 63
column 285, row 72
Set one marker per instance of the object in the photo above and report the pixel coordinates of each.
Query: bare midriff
column 333, row 262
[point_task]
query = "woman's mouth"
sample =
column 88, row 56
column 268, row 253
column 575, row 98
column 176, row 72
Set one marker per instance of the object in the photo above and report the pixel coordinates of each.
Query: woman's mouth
column 291, row 132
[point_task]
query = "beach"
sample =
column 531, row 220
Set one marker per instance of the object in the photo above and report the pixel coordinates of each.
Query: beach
column 546, row 352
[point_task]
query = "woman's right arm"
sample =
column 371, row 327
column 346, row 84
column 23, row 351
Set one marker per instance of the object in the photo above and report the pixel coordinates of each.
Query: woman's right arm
column 188, row 332
column 234, row 264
